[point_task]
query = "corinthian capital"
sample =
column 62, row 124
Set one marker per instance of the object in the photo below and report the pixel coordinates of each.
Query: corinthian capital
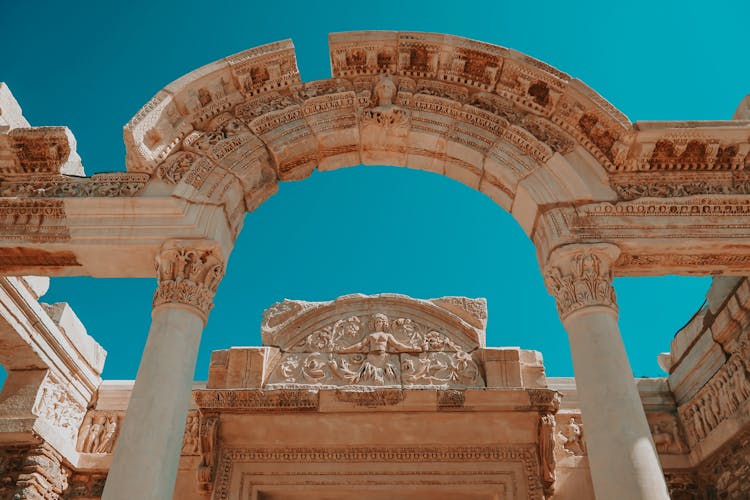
column 580, row 276
column 189, row 272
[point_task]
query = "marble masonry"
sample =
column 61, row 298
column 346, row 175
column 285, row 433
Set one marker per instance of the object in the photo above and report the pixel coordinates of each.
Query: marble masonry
column 380, row 396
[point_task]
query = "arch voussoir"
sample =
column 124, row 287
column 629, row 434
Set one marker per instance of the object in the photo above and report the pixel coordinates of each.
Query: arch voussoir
column 563, row 161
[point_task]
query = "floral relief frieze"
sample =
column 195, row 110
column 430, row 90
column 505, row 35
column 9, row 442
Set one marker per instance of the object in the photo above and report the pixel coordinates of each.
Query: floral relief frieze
column 376, row 350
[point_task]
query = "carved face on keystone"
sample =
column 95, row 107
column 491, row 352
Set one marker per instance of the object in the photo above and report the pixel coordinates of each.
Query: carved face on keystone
column 384, row 92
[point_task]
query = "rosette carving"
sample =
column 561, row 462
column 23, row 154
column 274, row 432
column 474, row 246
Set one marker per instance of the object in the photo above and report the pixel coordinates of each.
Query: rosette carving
column 580, row 276
column 189, row 272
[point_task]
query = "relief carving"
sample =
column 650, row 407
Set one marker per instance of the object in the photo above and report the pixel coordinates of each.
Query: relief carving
column 666, row 434
column 718, row 400
column 547, row 451
column 209, row 435
column 39, row 150
column 572, row 438
column 62, row 186
column 382, row 112
column 384, row 397
column 174, row 168
column 99, row 432
column 57, row 406
column 191, row 437
column 34, row 220
column 279, row 399
column 189, row 272
column 377, row 351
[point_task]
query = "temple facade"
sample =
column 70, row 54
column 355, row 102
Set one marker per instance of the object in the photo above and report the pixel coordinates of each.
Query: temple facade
column 371, row 397
column 376, row 396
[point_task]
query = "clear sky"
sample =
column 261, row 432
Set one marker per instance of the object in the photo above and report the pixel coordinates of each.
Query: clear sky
column 92, row 65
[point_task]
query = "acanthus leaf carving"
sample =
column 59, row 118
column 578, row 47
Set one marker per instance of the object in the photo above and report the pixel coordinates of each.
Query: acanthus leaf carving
column 579, row 276
column 189, row 272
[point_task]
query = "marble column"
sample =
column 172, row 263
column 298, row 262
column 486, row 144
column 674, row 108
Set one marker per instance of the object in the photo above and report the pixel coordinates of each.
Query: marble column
column 147, row 453
column 623, row 460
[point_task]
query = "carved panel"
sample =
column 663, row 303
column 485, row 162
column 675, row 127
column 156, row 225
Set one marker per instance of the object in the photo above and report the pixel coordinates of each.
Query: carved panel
column 99, row 432
column 59, row 408
column 375, row 350
column 191, row 436
column 725, row 394
column 667, row 434
column 570, row 436
column 39, row 150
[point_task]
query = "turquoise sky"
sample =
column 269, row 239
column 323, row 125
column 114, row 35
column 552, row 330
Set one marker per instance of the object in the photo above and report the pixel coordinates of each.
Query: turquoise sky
column 92, row 65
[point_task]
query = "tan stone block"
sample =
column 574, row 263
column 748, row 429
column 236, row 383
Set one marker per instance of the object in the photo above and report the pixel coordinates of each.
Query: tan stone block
column 502, row 367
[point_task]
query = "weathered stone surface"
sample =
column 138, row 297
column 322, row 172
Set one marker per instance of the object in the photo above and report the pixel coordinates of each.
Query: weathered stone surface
column 385, row 386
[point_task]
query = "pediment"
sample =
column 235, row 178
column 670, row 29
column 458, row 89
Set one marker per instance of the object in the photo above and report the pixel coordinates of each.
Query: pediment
column 380, row 340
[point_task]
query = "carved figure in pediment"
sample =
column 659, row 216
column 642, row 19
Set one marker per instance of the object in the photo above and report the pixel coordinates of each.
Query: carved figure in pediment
column 376, row 366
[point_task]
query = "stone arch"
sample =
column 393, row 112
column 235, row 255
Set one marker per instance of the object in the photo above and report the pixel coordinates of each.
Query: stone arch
column 525, row 134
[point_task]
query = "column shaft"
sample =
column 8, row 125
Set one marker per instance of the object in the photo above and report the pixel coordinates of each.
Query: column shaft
column 623, row 460
column 147, row 454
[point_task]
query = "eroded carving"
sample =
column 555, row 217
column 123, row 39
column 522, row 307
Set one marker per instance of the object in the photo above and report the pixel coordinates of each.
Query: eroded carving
column 209, row 435
column 572, row 438
column 581, row 278
column 191, row 437
column 63, row 186
column 59, row 407
column 547, row 451
column 383, row 113
column 189, row 272
column 718, row 400
column 99, row 432
column 377, row 351
column 666, row 434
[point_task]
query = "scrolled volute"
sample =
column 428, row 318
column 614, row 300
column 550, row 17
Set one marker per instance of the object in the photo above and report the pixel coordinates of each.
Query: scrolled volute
column 189, row 272
column 580, row 276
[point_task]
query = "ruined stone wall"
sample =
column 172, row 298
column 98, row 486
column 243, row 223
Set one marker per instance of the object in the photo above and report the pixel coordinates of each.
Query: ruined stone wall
column 727, row 476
